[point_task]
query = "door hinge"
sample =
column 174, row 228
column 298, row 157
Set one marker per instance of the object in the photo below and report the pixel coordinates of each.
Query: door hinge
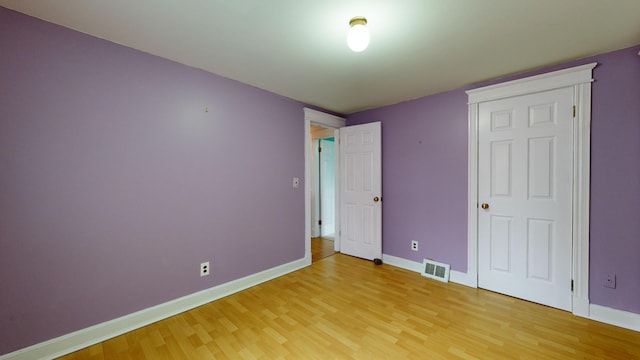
column 320, row 149
column 571, row 285
column 574, row 111
column 319, row 222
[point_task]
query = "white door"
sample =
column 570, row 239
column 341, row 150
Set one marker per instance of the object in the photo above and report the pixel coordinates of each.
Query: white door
column 361, row 191
column 525, row 183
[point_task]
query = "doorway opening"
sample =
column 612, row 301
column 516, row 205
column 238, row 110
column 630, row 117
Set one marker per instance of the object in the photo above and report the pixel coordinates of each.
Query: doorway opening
column 324, row 186
column 323, row 192
column 321, row 212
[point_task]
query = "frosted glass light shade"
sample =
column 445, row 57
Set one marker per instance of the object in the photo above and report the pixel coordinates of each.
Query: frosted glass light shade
column 358, row 37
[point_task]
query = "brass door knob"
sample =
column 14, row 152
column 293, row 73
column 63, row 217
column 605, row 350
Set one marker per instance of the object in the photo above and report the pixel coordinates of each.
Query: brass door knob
column 376, row 199
column 484, row 206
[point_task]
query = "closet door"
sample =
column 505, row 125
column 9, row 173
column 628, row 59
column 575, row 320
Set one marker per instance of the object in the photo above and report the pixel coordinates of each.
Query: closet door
column 525, row 155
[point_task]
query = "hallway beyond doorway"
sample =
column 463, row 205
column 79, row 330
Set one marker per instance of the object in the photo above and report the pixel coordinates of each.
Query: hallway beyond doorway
column 321, row 247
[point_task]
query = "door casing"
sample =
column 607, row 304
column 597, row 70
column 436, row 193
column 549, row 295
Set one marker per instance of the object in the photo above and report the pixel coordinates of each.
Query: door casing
column 579, row 78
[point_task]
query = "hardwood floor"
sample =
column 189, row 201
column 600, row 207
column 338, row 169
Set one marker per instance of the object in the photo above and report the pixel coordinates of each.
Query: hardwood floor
column 347, row 308
column 321, row 248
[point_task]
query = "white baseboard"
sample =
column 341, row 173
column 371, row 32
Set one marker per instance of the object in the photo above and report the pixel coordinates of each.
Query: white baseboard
column 624, row 319
column 402, row 263
column 92, row 335
column 454, row 276
column 580, row 307
column 466, row 279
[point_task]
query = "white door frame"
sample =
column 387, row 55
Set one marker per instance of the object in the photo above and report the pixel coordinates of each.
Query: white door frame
column 579, row 78
column 320, row 118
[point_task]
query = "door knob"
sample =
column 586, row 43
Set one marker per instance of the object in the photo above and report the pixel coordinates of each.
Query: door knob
column 484, row 206
column 376, row 199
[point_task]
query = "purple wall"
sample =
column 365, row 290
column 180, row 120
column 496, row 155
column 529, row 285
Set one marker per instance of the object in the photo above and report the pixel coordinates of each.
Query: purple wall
column 424, row 176
column 615, row 180
column 115, row 184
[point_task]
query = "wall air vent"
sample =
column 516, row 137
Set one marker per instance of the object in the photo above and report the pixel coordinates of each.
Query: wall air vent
column 435, row 270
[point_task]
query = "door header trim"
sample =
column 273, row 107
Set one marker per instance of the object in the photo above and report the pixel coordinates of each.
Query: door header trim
column 553, row 80
column 319, row 117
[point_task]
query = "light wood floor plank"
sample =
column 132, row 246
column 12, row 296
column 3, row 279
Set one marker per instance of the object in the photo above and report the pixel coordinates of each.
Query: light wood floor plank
column 347, row 308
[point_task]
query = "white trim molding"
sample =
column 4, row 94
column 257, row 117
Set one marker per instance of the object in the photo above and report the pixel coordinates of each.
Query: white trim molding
column 607, row 315
column 581, row 195
column 472, row 196
column 466, row 279
column 402, row 263
column 454, row 276
column 544, row 82
column 318, row 117
column 92, row 335
column 579, row 78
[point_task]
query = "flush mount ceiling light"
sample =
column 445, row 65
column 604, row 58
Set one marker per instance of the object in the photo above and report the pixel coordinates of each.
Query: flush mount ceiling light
column 358, row 37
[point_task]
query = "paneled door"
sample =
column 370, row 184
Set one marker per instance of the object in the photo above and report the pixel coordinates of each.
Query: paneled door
column 361, row 191
column 525, row 196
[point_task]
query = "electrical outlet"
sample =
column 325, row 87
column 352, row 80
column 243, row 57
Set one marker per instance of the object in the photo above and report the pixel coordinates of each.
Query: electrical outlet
column 414, row 245
column 204, row 269
column 609, row 280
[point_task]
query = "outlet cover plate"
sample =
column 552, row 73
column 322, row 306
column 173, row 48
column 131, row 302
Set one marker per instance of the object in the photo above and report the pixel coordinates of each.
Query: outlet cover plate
column 609, row 280
column 204, row 269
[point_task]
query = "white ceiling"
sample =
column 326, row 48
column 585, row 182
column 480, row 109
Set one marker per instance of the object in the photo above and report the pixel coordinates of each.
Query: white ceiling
column 297, row 48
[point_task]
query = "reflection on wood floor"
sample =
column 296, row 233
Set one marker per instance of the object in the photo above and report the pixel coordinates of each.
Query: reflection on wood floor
column 321, row 248
column 343, row 307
